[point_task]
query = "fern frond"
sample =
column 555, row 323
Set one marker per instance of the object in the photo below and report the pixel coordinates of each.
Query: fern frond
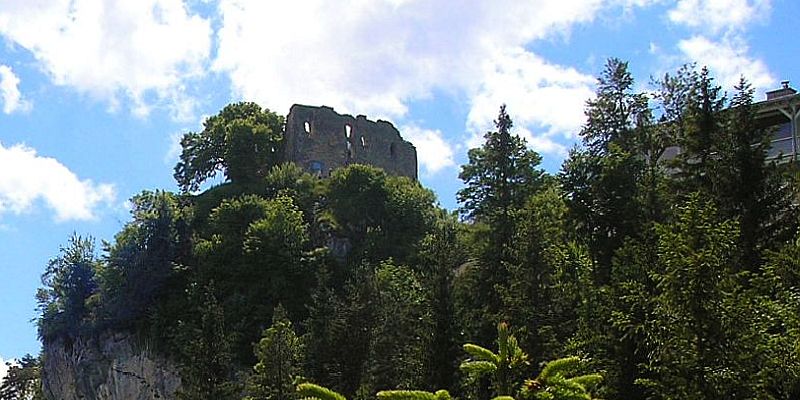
column 413, row 395
column 443, row 395
column 312, row 391
column 405, row 395
column 587, row 381
column 562, row 366
column 481, row 353
column 478, row 368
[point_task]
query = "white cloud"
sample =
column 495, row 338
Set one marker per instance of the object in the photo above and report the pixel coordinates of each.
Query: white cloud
column 434, row 153
column 26, row 178
column 375, row 57
column 719, row 15
column 9, row 92
column 143, row 51
column 719, row 40
column 544, row 100
column 727, row 59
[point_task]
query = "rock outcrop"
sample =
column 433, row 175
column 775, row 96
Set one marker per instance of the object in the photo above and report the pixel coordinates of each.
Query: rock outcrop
column 107, row 367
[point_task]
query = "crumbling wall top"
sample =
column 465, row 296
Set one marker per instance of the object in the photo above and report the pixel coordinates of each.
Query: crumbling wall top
column 321, row 140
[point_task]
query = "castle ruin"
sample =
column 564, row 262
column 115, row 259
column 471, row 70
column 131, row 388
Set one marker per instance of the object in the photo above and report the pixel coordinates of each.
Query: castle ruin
column 320, row 140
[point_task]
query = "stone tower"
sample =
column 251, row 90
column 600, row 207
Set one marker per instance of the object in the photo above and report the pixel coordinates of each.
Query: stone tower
column 320, row 140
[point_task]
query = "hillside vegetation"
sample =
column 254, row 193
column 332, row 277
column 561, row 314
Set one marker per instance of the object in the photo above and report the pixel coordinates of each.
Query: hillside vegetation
column 624, row 276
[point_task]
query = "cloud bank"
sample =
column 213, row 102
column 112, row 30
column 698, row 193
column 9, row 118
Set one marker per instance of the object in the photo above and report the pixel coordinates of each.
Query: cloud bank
column 372, row 57
column 719, row 41
column 27, row 178
column 143, row 52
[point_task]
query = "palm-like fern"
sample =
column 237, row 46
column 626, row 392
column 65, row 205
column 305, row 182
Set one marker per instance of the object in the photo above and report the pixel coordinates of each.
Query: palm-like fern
column 555, row 383
column 310, row 391
column 502, row 366
column 413, row 395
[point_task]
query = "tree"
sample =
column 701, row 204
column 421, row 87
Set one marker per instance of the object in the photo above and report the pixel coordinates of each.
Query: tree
column 533, row 276
column 499, row 176
column 280, row 360
column 253, row 250
column 438, row 256
column 692, row 334
column 382, row 216
column 243, row 140
column 693, row 104
column 747, row 186
column 400, row 331
column 23, row 380
column 602, row 180
column 204, row 345
column 68, row 280
column 143, row 258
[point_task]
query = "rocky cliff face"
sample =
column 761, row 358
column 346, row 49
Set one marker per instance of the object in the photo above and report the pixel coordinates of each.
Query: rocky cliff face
column 107, row 367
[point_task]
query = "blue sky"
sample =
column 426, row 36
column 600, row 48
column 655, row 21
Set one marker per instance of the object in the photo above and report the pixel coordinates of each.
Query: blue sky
column 95, row 93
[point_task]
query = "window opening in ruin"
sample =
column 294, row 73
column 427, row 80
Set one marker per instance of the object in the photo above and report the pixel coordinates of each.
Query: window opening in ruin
column 347, row 130
column 317, row 168
column 391, row 150
column 363, row 142
column 307, row 127
column 349, row 150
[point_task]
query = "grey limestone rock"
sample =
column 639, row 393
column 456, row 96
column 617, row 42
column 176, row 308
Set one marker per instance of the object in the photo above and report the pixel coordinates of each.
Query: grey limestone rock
column 107, row 367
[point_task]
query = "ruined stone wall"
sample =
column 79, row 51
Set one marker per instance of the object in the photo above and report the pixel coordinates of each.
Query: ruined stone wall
column 320, row 140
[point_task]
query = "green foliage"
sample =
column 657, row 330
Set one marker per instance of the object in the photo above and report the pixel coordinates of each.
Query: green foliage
column 602, row 180
column 254, row 253
column 280, row 360
column 559, row 381
column 204, row 345
column 504, row 367
column 68, row 282
column 243, row 140
column 499, row 175
column 400, row 332
column 22, row 380
column 694, row 333
column 308, row 391
column 413, row 395
column 536, row 275
column 143, row 258
column 383, row 216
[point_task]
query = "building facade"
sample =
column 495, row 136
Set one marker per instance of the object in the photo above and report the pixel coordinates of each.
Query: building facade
column 781, row 112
